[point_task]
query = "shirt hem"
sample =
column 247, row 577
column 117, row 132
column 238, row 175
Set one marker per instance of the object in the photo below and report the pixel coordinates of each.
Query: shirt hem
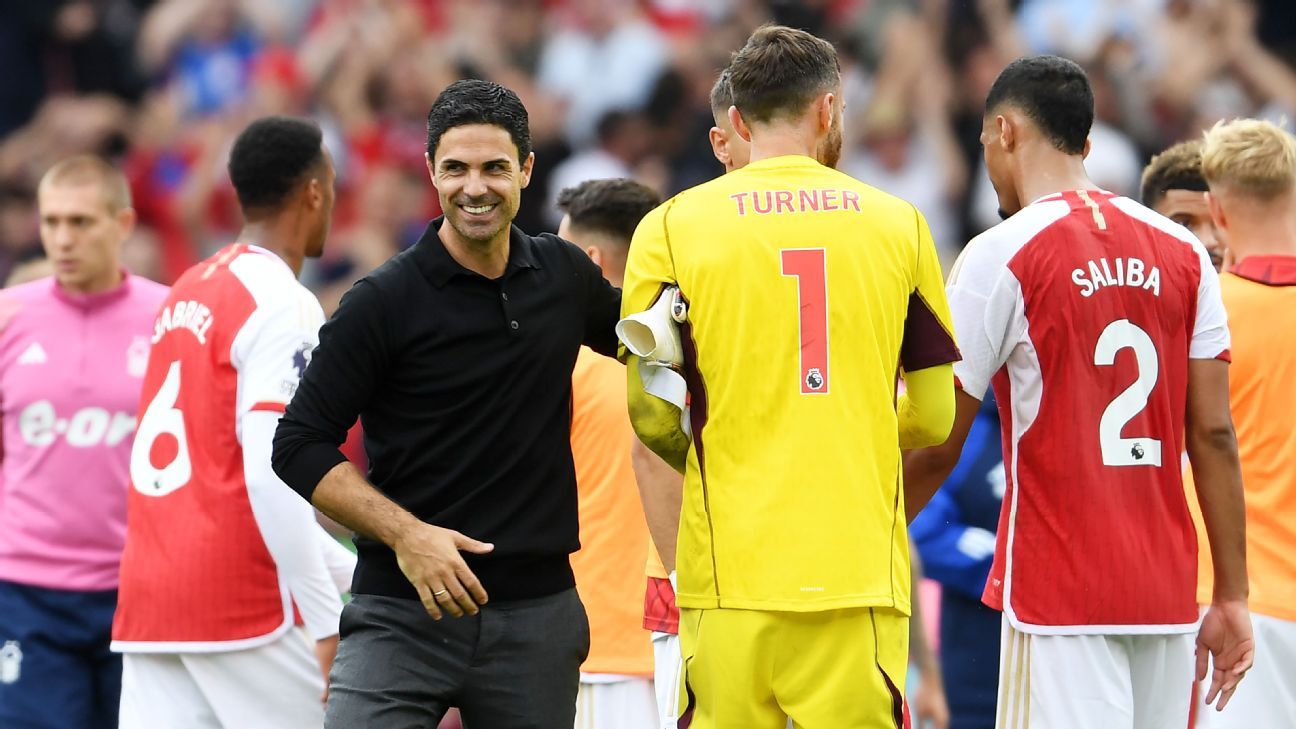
column 201, row 646
column 711, row 602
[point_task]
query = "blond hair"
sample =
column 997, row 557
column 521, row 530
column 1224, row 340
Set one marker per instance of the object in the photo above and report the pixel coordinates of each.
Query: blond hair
column 1251, row 156
column 89, row 169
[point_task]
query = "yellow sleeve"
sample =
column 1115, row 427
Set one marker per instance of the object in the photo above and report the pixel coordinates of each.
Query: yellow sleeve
column 929, row 329
column 649, row 270
column 927, row 352
column 926, row 410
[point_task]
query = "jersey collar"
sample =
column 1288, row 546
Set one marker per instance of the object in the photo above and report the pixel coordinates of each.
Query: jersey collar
column 1267, row 270
column 92, row 301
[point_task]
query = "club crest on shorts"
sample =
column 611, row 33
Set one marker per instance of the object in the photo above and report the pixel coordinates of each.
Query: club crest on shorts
column 10, row 662
column 814, row 379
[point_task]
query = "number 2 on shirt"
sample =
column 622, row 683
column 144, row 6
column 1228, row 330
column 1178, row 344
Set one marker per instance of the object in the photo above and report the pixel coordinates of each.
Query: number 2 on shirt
column 810, row 267
column 1118, row 451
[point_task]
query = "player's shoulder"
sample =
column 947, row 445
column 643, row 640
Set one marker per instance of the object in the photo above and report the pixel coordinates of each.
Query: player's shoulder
column 1169, row 232
column 267, row 278
column 37, row 290
column 147, row 292
column 1009, row 238
column 25, row 299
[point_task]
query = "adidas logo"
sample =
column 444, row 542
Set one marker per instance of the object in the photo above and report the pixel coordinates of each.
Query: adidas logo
column 34, row 354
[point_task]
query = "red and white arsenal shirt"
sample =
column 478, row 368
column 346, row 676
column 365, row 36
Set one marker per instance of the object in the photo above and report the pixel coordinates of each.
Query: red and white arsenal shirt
column 232, row 338
column 1082, row 311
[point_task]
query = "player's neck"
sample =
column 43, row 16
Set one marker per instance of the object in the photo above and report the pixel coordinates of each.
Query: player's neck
column 1046, row 172
column 779, row 141
column 488, row 258
column 1263, row 229
column 269, row 234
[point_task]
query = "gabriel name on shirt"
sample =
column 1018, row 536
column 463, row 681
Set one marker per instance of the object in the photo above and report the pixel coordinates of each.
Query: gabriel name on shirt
column 191, row 315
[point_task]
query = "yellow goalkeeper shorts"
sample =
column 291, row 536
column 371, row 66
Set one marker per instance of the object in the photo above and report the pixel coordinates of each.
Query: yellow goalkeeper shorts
column 832, row 669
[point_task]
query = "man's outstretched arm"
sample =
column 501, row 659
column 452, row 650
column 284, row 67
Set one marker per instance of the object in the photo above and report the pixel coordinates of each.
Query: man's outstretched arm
column 926, row 469
column 1225, row 637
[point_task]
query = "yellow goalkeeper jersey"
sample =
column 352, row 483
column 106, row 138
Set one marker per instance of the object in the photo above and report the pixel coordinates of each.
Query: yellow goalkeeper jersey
column 807, row 290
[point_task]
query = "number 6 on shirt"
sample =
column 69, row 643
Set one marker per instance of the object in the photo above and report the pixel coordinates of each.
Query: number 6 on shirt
column 161, row 428
column 810, row 267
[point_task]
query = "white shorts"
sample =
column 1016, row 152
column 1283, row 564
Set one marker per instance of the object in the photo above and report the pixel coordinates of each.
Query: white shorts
column 627, row 703
column 1266, row 697
column 1088, row 681
column 274, row 686
column 668, row 667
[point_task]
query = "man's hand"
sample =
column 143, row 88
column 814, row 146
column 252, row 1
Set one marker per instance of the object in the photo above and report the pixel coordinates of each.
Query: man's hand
column 1226, row 636
column 931, row 710
column 325, row 652
column 429, row 557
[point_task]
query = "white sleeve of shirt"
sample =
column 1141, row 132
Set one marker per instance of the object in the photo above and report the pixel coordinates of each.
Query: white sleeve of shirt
column 1210, row 337
column 987, row 310
column 270, row 353
column 290, row 531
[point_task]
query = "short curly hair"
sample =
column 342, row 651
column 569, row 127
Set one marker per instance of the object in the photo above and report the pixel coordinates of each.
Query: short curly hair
column 612, row 207
column 271, row 157
column 479, row 102
column 1054, row 92
column 1176, row 168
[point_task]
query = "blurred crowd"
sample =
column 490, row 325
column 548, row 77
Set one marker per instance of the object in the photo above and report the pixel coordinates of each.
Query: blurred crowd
column 614, row 88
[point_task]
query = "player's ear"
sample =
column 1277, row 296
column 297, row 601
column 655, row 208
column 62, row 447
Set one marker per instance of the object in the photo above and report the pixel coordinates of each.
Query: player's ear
column 740, row 126
column 528, row 165
column 595, row 255
column 1007, row 132
column 719, row 146
column 1088, row 146
column 314, row 193
column 1217, row 213
column 826, row 108
column 125, row 219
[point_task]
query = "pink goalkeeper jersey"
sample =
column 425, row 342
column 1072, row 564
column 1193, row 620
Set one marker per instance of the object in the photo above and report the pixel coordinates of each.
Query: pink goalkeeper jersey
column 1083, row 310
column 70, row 373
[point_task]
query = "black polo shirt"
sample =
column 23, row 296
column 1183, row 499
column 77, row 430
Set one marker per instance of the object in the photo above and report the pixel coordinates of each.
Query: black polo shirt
column 463, row 386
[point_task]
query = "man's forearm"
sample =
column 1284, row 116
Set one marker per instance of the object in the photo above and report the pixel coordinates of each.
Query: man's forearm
column 925, row 469
column 1212, row 451
column 1218, row 478
column 662, row 492
column 347, row 497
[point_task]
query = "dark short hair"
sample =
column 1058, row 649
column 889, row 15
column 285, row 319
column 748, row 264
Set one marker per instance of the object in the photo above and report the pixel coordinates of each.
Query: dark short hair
column 479, row 102
column 612, row 207
column 271, row 157
column 721, row 96
column 1177, row 168
column 1054, row 92
column 779, row 71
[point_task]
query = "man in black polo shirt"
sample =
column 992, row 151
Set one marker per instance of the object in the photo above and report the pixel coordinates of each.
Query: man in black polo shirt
column 457, row 355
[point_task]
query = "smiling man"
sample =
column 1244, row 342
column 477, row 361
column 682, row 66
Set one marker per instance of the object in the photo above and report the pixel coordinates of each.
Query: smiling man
column 458, row 356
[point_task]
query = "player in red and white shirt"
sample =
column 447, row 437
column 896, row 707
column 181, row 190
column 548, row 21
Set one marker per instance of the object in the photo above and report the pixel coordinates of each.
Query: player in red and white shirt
column 1100, row 326
column 221, row 557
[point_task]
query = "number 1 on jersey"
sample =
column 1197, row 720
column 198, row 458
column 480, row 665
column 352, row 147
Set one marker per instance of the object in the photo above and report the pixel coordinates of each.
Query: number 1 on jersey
column 809, row 266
